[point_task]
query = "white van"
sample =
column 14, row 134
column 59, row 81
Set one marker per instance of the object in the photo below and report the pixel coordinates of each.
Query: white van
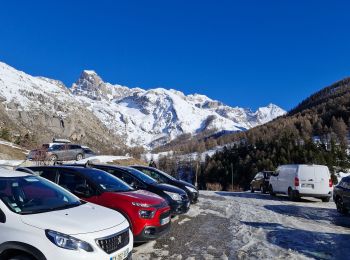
column 300, row 180
column 42, row 221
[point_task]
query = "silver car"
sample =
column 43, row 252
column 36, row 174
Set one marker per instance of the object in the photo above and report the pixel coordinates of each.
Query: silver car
column 58, row 152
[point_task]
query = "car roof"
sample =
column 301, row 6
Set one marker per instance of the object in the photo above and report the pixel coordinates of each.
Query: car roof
column 74, row 168
column 143, row 166
column 9, row 173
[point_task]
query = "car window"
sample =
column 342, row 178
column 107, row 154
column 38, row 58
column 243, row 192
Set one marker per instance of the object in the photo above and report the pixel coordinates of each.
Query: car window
column 32, row 194
column 73, row 147
column 70, row 180
column 140, row 175
column 57, row 147
column 155, row 175
column 267, row 174
column 49, row 174
column 106, row 181
column 128, row 178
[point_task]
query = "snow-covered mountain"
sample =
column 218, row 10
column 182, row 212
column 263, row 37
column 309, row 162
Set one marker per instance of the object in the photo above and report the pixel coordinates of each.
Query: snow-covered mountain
column 156, row 116
column 39, row 109
column 136, row 116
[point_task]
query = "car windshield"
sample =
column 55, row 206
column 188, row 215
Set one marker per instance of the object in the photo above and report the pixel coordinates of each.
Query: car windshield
column 167, row 175
column 140, row 175
column 107, row 182
column 32, row 195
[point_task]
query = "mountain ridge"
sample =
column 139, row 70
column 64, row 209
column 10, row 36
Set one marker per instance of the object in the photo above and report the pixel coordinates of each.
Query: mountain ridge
column 134, row 116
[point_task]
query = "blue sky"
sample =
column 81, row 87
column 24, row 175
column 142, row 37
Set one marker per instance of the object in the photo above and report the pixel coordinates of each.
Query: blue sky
column 245, row 53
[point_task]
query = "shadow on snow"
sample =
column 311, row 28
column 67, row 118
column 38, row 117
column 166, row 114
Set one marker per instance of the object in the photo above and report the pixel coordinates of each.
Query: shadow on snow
column 318, row 245
column 258, row 195
column 312, row 213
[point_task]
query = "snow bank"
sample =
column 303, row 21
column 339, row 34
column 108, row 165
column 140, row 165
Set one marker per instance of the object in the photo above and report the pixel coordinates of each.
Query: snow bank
column 104, row 158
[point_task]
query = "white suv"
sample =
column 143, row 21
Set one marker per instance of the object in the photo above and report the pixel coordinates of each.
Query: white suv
column 41, row 221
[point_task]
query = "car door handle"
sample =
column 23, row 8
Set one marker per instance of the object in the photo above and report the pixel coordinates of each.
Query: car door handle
column 311, row 180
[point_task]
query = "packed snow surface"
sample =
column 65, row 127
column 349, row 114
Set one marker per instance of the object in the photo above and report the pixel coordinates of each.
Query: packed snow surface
column 244, row 225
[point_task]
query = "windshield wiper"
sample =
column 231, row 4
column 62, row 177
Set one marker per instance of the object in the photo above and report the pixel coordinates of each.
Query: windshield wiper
column 67, row 206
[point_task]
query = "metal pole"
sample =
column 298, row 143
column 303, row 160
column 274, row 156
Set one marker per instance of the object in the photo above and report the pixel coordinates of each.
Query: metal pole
column 232, row 174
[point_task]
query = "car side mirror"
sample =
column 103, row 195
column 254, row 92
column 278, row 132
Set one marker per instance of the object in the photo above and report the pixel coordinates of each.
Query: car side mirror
column 83, row 191
column 2, row 217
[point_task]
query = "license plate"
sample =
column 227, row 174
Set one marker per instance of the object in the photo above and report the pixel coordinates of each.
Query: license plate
column 164, row 221
column 305, row 185
column 121, row 255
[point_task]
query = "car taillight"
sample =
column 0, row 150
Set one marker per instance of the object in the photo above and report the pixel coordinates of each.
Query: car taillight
column 296, row 181
column 330, row 183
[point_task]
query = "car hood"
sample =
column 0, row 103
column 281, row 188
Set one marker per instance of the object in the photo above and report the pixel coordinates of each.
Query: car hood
column 141, row 196
column 78, row 220
column 169, row 188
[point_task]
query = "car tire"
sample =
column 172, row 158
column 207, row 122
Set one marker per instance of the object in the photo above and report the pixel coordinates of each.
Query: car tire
column 340, row 206
column 262, row 189
column 79, row 157
column 271, row 191
column 53, row 158
column 251, row 189
column 290, row 194
column 327, row 199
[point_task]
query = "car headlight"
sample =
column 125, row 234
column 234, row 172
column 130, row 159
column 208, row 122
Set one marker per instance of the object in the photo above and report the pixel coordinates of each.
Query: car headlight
column 191, row 189
column 141, row 205
column 67, row 242
column 148, row 214
column 173, row 195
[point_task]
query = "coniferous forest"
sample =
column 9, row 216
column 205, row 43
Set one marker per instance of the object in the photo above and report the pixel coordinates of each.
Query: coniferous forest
column 314, row 132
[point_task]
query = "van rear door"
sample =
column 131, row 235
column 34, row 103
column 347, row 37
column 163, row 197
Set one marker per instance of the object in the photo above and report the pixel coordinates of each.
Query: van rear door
column 306, row 175
column 322, row 177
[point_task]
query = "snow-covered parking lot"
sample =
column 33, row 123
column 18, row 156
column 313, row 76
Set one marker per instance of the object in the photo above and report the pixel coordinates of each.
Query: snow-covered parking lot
column 227, row 225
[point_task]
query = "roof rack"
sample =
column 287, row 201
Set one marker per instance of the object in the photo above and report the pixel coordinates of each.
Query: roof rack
column 59, row 140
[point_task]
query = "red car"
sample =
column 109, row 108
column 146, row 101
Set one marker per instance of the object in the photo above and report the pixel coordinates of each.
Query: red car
column 147, row 213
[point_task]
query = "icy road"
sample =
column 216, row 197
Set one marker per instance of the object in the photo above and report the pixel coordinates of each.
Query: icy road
column 227, row 225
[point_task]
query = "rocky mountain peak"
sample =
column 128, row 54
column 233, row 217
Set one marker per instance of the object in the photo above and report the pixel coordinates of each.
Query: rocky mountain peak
column 91, row 85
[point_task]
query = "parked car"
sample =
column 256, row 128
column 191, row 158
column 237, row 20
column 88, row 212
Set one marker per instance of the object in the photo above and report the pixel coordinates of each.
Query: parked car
column 300, row 180
column 261, row 182
column 341, row 195
column 176, row 198
column 147, row 213
column 41, row 221
column 58, row 152
column 88, row 152
column 162, row 177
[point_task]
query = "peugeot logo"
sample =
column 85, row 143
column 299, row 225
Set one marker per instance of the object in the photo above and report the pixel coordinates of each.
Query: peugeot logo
column 119, row 239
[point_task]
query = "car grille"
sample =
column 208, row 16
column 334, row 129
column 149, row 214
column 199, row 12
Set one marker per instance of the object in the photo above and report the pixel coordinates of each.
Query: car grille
column 115, row 242
column 184, row 197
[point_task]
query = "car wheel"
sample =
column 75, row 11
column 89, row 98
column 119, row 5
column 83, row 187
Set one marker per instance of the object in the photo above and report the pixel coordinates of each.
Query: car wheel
column 251, row 189
column 79, row 157
column 340, row 206
column 53, row 158
column 293, row 196
column 271, row 191
column 326, row 199
column 262, row 189
column 290, row 194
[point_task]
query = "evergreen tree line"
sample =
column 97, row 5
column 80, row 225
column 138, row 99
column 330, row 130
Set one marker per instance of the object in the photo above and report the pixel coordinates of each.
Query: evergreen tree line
column 315, row 132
